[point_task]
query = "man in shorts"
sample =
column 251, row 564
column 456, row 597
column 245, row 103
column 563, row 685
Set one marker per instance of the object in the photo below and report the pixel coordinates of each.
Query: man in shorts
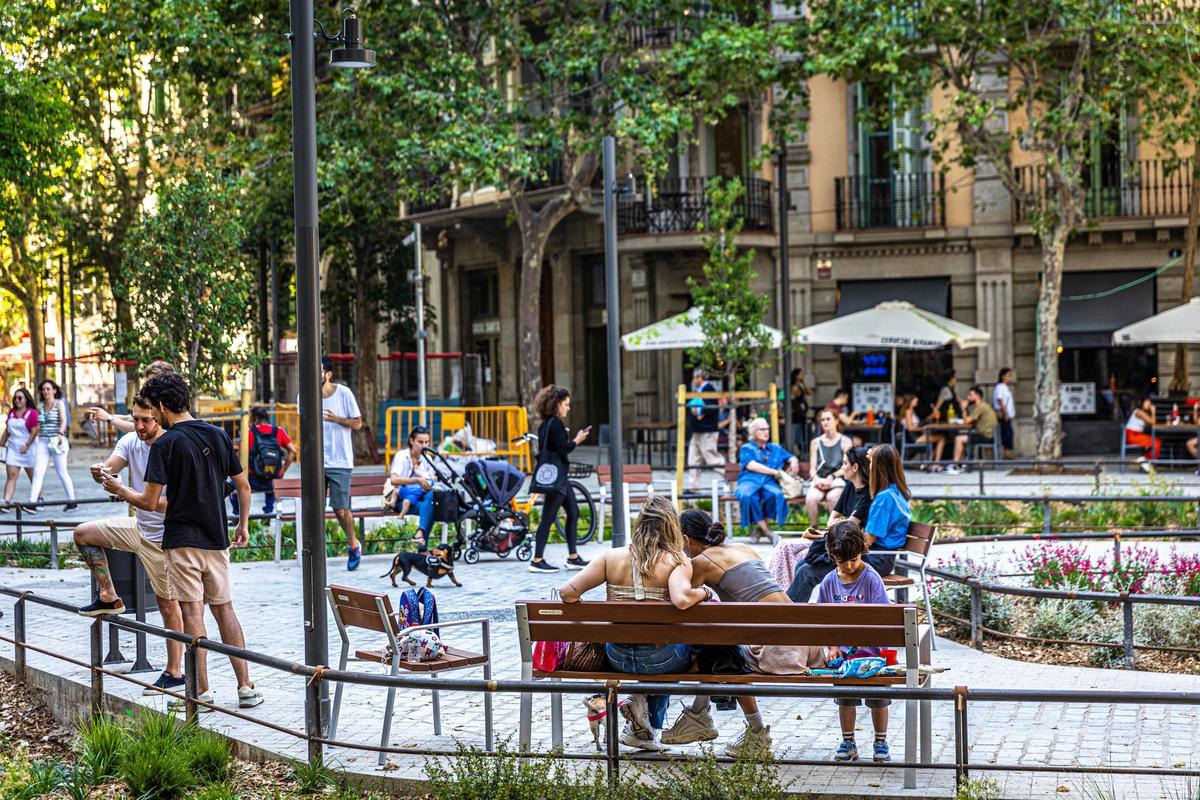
column 140, row 534
column 341, row 418
column 195, row 459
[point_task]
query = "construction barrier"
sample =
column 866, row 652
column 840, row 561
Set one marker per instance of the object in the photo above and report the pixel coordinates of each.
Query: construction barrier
column 500, row 425
column 741, row 399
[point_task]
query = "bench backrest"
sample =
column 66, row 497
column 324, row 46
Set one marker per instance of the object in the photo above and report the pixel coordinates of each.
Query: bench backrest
column 659, row 622
column 733, row 470
column 360, row 609
column 630, row 473
column 920, row 538
column 360, row 486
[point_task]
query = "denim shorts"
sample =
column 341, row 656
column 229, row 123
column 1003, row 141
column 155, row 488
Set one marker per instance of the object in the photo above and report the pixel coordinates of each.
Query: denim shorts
column 337, row 479
column 854, row 702
column 649, row 659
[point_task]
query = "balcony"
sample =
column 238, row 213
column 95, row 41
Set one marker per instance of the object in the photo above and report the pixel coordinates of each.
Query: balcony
column 679, row 205
column 901, row 200
column 651, row 31
column 1119, row 189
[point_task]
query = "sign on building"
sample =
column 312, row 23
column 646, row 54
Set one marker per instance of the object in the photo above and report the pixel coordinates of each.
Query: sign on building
column 871, row 395
column 1077, row 398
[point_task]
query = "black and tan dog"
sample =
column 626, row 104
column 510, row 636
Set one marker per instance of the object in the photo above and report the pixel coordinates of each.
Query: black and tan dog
column 435, row 563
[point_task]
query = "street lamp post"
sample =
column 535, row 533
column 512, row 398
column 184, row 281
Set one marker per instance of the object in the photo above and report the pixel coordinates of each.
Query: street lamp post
column 785, row 294
column 308, row 324
column 613, row 305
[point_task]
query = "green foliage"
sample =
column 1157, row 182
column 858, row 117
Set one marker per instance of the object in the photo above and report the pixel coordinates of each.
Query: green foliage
column 976, row 517
column 314, row 777
column 1059, row 619
column 1171, row 626
column 155, row 763
column 950, row 597
column 215, row 791
column 208, row 757
column 978, row 789
column 186, row 280
column 101, row 741
column 23, row 779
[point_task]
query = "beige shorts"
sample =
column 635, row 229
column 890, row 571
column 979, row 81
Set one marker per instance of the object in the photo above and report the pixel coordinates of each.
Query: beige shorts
column 194, row 575
column 123, row 534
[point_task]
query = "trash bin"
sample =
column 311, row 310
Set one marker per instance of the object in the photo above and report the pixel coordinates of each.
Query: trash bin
column 123, row 568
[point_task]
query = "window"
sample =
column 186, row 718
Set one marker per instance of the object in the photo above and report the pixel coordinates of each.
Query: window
column 482, row 294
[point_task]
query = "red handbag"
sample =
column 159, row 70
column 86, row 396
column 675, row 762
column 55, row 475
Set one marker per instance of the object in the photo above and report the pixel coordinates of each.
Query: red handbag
column 549, row 656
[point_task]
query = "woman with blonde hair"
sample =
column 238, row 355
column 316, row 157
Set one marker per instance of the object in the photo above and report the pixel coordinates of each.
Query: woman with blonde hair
column 652, row 567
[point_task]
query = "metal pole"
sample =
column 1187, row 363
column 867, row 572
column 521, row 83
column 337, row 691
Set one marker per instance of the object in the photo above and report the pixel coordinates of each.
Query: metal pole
column 308, row 355
column 419, row 280
column 71, row 295
column 273, row 345
column 60, row 349
column 613, row 309
column 785, row 294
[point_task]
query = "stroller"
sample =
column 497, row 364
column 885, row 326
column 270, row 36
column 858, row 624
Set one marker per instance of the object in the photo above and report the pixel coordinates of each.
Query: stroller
column 482, row 492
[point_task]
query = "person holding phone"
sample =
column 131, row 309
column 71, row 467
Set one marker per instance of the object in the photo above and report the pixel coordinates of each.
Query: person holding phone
column 553, row 404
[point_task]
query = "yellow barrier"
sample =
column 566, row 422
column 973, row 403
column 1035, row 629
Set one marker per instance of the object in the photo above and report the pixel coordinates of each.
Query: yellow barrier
column 501, row 424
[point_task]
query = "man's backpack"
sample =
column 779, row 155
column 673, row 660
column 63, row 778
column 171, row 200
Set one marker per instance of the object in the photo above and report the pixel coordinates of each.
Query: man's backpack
column 266, row 456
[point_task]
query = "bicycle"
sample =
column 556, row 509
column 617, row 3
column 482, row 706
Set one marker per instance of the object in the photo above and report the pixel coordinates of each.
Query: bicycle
column 586, row 528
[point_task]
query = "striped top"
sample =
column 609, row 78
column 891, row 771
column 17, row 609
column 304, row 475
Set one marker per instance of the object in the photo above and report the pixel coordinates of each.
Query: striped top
column 49, row 422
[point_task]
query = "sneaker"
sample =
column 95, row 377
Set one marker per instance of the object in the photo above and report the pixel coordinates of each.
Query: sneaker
column 70, row 506
column 1145, row 465
column 180, row 706
column 28, row 509
column 575, row 563
column 165, row 682
column 692, row 726
column 882, row 752
column 542, row 566
column 847, row 751
column 723, row 702
column 751, row 743
column 249, row 697
column 631, row 739
column 953, row 469
column 100, row 608
column 353, row 557
column 635, row 710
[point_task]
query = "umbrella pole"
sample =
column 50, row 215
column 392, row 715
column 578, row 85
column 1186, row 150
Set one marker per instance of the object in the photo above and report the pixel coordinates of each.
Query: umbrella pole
column 893, row 379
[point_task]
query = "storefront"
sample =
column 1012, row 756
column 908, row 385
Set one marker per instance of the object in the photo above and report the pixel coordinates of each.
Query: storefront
column 919, row 371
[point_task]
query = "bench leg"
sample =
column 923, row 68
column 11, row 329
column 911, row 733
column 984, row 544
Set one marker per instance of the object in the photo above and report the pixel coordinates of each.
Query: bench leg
column 488, row 736
column 910, row 742
column 926, row 732
column 387, row 713
column 526, row 707
column 437, row 709
column 556, row 718
column 299, row 532
column 277, row 534
column 337, row 693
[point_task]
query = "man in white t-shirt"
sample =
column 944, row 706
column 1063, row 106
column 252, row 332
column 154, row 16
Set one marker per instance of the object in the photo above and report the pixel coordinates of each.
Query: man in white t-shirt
column 1006, row 408
column 341, row 419
column 140, row 534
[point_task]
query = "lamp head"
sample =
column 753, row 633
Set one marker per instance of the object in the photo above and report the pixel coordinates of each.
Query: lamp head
column 351, row 55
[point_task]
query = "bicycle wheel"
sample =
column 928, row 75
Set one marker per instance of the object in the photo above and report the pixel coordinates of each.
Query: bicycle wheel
column 587, row 514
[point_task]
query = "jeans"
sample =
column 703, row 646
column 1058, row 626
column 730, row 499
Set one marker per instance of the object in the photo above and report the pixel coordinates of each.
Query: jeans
column 1006, row 434
column 422, row 506
column 266, row 486
column 809, row 576
column 649, row 659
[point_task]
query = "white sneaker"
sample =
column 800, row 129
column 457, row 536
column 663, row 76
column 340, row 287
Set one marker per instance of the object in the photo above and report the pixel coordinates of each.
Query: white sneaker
column 249, row 697
column 953, row 469
column 691, row 726
column 751, row 743
column 637, row 713
column 631, row 739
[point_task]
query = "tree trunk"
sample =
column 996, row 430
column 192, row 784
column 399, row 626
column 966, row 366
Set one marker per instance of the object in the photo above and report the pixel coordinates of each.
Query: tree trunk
column 1047, row 404
column 529, row 334
column 37, row 333
column 1179, row 380
column 366, row 329
column 731, row 433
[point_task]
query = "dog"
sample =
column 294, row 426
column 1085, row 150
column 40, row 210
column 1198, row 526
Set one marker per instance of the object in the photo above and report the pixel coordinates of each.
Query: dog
column 596, row 711
column 436, row 563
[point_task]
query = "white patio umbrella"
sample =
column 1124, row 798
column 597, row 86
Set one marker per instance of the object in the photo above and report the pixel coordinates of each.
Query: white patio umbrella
column 677, row 333
column 1179, row 325
column 893, row 325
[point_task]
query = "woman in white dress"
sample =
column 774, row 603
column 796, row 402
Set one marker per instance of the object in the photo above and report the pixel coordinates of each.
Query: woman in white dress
column 52, row 442
column 19, row 437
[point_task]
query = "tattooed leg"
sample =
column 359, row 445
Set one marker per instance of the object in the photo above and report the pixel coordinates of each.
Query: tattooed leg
column 93, row 556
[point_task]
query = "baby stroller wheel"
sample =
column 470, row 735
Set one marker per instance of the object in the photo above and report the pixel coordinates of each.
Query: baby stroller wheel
column 524, row 552
column 470, row 556
column 504, row 553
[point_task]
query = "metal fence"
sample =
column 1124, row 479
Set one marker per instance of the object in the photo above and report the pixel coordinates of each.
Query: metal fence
column 318, row 677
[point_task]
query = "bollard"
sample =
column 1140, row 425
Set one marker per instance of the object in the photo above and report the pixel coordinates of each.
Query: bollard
column 1117, row 550
column 53, row 545
column 1127, row 614
column 976, row 614
column 961, row 748
column 1097, row 471
column 97, row 675
column 982, row 466
column 19, row 638
column 191, row 679
column 19, row 528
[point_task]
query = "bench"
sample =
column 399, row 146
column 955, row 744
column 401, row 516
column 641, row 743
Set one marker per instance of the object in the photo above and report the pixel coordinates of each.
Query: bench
column 637, row 475
column 915, row 553
column 722, row 491
column 808, row 624
column 355, row 608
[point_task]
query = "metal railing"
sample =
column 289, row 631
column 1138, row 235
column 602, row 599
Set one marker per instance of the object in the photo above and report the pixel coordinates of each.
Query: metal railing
column 898, row 200
column 317, row 677
column 1145, row 188
column 680, row 205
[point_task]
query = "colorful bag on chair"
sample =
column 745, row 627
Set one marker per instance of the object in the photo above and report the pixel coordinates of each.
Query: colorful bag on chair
column 549, row 656
column 417, row 607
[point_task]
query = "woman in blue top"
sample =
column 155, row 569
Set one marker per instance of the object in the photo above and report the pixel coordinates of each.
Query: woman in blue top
column 758, row 491
column 890, row 514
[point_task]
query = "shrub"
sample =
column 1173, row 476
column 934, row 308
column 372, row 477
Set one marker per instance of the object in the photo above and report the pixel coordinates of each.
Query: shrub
column 215, row 791
column 1137, row 564
column 1181, row 575
column 1060, row 566
column 1059, row 619
column 101, row 740
column 208, row 757
column 953, row 598
column 155, row 763
column 745, row 779
column 21, row 779
column 1172, row 626
column 978, row 789
column 313, row 777
column 1109, row 629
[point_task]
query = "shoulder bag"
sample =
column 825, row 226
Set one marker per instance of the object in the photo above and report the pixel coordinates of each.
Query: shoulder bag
column 550, row 475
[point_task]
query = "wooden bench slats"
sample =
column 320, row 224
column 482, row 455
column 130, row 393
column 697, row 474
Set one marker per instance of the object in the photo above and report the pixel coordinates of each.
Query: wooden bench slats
column 630, row 473
column 697, row 677
column 895, row 581
column 663, row 613
column 453, row 659
column 716, row 633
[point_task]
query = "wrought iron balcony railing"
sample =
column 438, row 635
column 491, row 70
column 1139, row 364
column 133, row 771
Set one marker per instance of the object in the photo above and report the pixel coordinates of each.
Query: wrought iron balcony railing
column 679, row 205
column 1148, row 188
column 899, row 200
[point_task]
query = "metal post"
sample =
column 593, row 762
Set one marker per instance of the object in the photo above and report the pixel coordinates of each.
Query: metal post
column 114, row 655
column 611, row 746
column 976, row 614
column 1046, row 515
column 419, row 280
column 962, row 748
column 19, row 638
column 308, row 355
column 612, row 310
column 140, row 662
column 53, row 546
column 1127, row 628
column 71, row 296
column 97, row 675
column 1117, row 550
column 20, row 529
column 785, row 293
column 191, row 681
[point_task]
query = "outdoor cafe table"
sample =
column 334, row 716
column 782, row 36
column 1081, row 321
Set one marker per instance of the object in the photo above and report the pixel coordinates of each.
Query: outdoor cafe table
column 654, row 437
column 868, row 432
column 1173, row 436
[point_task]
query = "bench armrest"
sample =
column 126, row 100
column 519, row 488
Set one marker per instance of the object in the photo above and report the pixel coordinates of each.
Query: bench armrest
column 483, row 621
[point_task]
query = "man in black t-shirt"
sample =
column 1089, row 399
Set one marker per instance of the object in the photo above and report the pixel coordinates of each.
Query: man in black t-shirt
column 194, row 459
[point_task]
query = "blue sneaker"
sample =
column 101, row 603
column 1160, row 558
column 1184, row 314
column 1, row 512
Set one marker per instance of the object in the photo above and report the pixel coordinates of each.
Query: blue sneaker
column 354, row 556
column 882, row 752
column 847, row 751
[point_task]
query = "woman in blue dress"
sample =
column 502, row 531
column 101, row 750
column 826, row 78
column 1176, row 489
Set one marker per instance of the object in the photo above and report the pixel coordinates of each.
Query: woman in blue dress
column 758, row 492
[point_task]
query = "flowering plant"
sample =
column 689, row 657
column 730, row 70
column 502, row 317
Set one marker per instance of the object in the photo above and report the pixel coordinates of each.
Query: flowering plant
column 1061, row 566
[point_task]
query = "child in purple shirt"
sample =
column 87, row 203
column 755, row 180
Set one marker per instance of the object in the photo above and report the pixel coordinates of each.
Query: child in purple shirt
column 854, row 581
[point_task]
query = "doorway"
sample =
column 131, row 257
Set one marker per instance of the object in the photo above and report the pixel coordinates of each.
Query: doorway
column 596, row 358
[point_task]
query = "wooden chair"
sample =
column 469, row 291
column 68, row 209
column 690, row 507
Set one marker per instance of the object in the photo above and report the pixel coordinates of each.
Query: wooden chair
column 638, row 475
column 915, row 553
column 355, row 608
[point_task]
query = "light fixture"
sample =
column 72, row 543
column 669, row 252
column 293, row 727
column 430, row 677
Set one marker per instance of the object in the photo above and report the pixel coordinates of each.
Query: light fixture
column 351, row 55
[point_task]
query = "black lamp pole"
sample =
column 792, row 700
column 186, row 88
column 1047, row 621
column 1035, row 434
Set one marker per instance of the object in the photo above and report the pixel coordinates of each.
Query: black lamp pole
column 785, row 295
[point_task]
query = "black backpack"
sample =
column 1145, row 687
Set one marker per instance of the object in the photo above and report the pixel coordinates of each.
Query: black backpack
column 266, row 456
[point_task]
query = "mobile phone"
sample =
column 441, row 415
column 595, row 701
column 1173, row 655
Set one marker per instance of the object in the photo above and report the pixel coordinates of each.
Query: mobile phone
column 588, row 429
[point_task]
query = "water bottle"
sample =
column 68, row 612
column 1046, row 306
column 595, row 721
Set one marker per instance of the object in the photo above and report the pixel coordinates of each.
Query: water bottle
column 412, row 652
column 1175, row 414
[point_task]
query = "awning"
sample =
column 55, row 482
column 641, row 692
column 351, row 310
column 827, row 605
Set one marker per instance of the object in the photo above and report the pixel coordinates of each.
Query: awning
column 1092, row 322
column 930, row 294
column 680, row 332
column 1179, row 325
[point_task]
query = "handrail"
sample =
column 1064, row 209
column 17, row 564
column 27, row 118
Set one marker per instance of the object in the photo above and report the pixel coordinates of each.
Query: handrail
column 317, row 675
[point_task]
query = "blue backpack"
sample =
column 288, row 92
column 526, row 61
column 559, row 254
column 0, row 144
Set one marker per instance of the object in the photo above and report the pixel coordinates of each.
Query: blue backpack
column 417, row 607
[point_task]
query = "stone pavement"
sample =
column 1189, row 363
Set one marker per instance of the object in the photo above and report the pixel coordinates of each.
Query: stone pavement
column 267, row 597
